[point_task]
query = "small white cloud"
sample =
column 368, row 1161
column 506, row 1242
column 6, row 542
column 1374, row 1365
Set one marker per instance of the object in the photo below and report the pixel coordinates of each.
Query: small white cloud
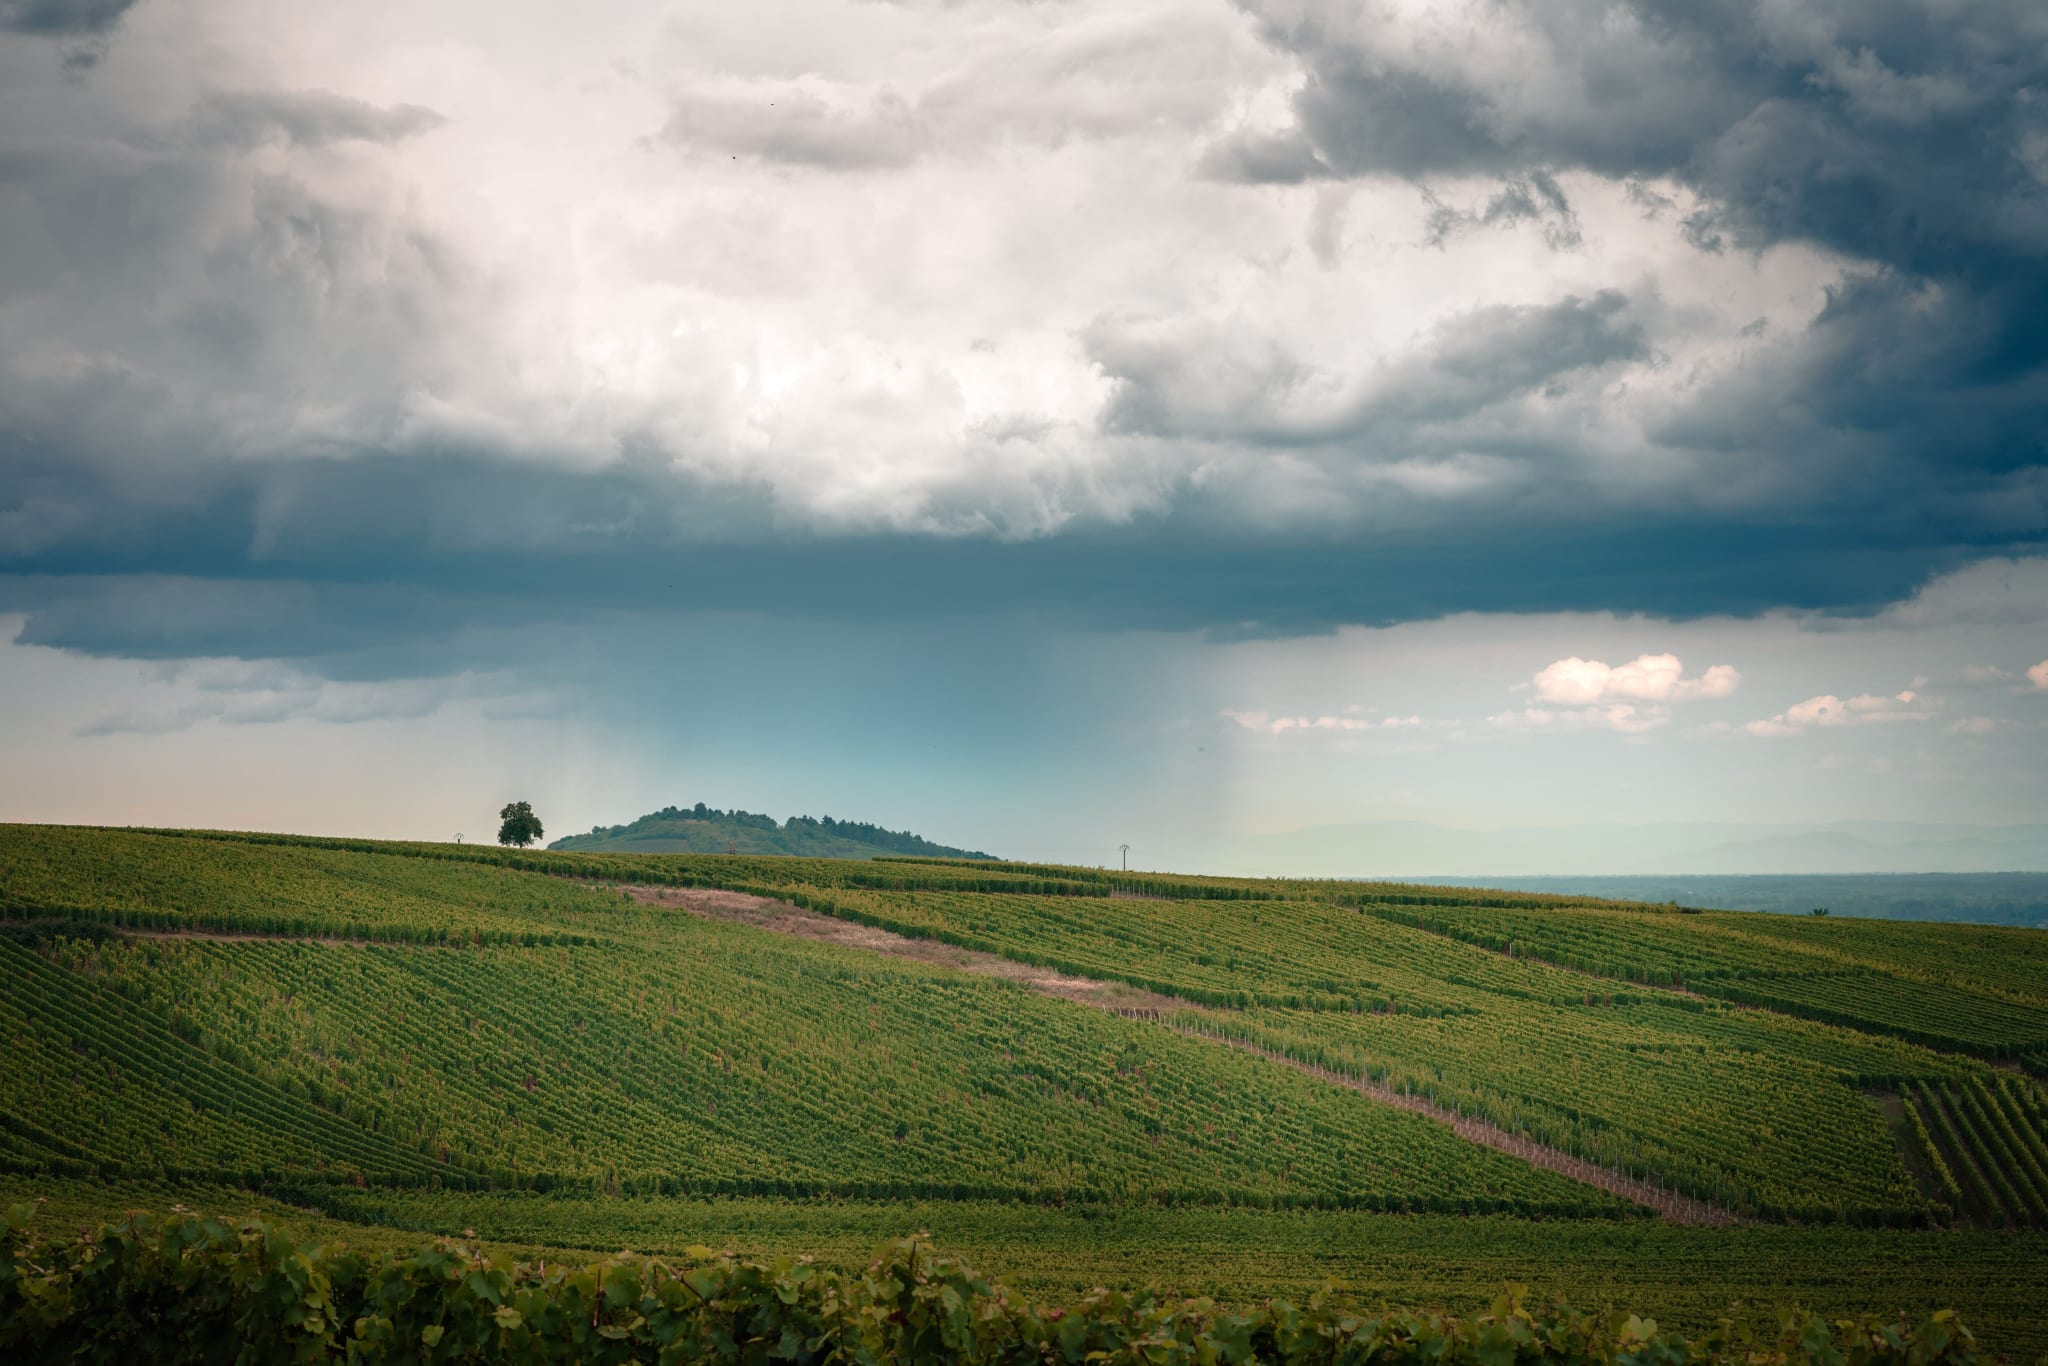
column 1985, row 673
column 1646, row 678
column 1826, row 710
column 1830, row 710
column 1975, row 725
column 2038, row 675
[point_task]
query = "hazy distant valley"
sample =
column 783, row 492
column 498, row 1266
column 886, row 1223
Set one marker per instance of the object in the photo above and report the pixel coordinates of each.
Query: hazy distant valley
column 1414, row 849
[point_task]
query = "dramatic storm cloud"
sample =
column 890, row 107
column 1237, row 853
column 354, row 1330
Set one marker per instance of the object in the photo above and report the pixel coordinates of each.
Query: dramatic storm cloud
column 387, row 361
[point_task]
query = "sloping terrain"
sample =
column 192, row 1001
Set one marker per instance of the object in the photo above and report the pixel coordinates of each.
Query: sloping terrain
column 384, row 1030
column 664, row 1052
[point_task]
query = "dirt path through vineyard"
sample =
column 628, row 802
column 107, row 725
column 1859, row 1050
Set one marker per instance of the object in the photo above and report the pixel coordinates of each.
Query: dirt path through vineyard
column 784, row 918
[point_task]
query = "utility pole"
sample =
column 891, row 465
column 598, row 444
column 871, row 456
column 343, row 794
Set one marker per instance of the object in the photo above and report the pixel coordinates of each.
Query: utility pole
column 1127, row 856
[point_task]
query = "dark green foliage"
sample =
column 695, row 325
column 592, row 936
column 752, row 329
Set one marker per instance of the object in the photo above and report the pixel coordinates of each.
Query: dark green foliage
column 520, row 826
column 45, row 929
column 190, row 1289
column 1985, row 1141
column 702, row 829
column 896, row 841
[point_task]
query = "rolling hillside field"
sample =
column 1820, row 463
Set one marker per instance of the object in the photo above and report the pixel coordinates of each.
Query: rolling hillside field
column 1071, row 1077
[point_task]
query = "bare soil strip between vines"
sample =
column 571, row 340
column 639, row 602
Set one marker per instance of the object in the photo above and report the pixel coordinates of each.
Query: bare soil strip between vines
column 783, row 918
column 1675, row 1208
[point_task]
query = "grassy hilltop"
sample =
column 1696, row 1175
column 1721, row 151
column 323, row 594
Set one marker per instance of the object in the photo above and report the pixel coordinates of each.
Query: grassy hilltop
column 702, row 829
column 574, row 1050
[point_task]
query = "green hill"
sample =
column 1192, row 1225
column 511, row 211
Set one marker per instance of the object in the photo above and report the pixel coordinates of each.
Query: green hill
column 1075, row 1077
column 704, row 829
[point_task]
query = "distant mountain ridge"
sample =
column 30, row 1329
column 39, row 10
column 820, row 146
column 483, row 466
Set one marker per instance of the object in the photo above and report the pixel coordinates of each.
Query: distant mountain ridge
column 1419, row 849
column 702, row 829
column 1981, row 898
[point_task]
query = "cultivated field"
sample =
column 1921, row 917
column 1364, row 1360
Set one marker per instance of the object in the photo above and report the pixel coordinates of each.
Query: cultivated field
column 1072, row 1077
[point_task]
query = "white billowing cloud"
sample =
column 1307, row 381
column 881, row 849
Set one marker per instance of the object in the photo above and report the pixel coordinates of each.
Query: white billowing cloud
column 1267, row 723
column 1646, row 678
column 2038, row 675
column 1829, row 710
column 1572, row 695
column 1575, row 694
column 1899, row 706
column 981, row 87
column 941, row 270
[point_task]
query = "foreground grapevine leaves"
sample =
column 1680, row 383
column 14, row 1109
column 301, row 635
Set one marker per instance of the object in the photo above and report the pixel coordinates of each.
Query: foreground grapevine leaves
column 186, row 1288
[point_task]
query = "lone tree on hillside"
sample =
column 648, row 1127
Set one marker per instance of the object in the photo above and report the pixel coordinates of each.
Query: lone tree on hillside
column 521, row 826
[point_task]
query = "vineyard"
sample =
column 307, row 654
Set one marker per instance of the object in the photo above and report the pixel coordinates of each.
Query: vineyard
column 434, row 1037
column 1984, row 1143
column 1906, row 980
column 197, row 1289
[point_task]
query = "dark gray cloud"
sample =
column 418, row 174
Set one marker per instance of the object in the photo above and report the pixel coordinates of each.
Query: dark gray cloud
column 1907, row 133
column 1494, row 354
column 1257, row 158
column 1911, row 138
column 1176, row 381
column 82, row 28
column 362, row 578
column 172, row 307
column 62, row 18
column 1533, row 198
